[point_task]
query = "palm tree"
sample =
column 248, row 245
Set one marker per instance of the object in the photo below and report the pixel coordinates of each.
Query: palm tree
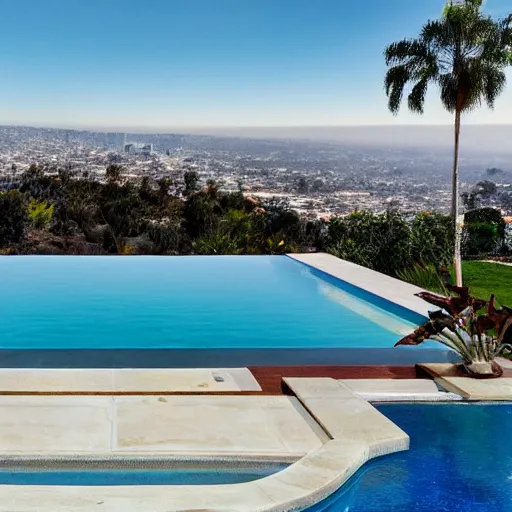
column 465, row 54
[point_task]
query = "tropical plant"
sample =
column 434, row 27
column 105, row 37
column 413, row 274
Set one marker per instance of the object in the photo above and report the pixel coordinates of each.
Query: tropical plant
column 478, row 350
column 477, row 339
column 465, row 54
column 40, row 213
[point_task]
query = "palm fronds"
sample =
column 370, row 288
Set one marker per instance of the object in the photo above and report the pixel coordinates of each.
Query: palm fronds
column 464, row 54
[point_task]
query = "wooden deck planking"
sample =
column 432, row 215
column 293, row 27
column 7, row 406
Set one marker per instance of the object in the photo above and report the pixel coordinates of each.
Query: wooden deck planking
column 270, row 377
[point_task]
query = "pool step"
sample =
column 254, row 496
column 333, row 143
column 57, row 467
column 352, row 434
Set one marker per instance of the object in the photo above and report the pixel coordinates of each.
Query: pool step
column 29, row 381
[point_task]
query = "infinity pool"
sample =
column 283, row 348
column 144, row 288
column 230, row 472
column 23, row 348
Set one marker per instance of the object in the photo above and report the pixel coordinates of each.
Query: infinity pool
column 74, row 302
column 460, row 461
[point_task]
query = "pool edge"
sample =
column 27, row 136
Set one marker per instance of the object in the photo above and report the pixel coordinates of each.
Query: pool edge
column 305, row 483
column 367, row 281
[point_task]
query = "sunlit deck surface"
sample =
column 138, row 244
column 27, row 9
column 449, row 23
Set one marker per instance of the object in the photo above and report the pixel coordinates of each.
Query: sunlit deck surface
column 253, row 380
column 318, row 430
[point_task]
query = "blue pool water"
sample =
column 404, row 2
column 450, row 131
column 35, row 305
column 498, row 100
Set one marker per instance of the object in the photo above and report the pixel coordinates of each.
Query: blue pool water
column 460, row 461
column 187, row 302
column 134, row 477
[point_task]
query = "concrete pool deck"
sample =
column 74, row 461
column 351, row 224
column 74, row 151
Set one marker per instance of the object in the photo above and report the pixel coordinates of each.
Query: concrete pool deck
column 326, row 429
column 98, row 381
column 275, row 427
column 353, row 432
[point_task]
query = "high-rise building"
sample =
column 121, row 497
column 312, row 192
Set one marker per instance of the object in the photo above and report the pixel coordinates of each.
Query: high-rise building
column 138, row 148
column 114, row 140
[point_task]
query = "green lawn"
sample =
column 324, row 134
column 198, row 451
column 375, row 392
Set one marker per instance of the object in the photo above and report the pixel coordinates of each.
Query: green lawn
column 486, row 278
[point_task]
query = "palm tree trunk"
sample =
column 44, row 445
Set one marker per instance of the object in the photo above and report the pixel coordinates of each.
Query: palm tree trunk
column 455, row 204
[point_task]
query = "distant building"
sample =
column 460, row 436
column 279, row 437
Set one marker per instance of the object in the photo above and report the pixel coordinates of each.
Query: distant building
column 114, row 140
column 137, row 148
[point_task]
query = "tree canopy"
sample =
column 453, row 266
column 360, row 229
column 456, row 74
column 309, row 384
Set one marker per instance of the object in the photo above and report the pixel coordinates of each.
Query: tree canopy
column 464, row 53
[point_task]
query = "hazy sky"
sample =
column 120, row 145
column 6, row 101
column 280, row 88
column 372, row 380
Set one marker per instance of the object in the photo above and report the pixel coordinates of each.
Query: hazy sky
column 178, row 63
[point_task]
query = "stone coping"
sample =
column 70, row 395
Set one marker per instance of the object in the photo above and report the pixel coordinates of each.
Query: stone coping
column 381, row 285
column 348, row 417
column 98, row 381
column 399, row 390
column 448, row 377
column 357, row 430
column 479, row 389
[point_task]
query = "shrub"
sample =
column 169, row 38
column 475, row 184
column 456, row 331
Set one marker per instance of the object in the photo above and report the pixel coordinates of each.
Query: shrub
column 13, row 217
column 126, row 249
column 277, row 245
column 424, row 276
column 217, row 244
column 480, row 238
column 484, row 231
column 380, row 242
column 40, row 213
column 389, row 243
column 432, row 240
column 166, row 238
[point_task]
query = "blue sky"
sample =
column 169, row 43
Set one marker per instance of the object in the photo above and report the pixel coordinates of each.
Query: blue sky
column 194, row 63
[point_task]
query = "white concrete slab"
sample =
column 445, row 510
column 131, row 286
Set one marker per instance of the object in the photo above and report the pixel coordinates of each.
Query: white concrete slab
column 200, row 425
column 136, row 381
column 298, row 487
column 478, row 389
column 19, row 380
column 395, row 390
column 183, row 380
column 260, row 425
column 389, row 288
column 55, row 424
column 344, row 415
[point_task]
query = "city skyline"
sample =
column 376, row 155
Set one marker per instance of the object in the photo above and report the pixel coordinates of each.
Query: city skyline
column 195, row 64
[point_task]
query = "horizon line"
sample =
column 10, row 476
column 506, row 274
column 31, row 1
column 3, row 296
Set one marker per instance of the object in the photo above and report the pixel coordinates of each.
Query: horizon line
column 184, row 129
